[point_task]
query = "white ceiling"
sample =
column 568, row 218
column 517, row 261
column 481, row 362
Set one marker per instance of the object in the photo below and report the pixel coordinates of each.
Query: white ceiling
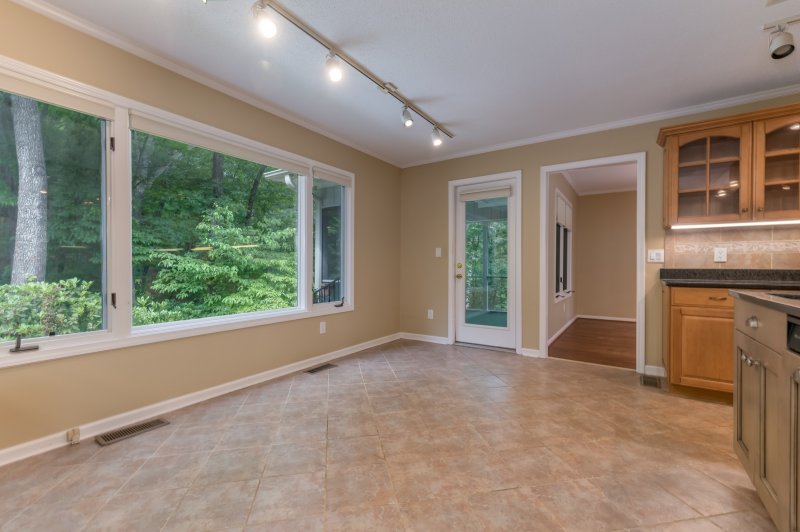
column 498, row 74
column 602, row 179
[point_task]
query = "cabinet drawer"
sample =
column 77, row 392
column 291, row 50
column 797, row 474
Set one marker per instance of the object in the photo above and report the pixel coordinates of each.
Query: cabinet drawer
column 703, row 297
column 769, row 326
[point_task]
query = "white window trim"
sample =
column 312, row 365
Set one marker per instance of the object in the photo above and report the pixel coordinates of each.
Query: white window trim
column 566, row 294
column 120, row 332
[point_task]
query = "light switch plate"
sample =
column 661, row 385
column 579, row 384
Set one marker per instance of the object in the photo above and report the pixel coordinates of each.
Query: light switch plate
column 430, row 313
column 655, row 255
column 323, row 327
column 720, row 254
column 438, row 253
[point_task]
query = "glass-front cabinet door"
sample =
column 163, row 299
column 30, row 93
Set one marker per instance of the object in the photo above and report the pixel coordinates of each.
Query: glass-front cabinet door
column 709, row 175
column 777, row 169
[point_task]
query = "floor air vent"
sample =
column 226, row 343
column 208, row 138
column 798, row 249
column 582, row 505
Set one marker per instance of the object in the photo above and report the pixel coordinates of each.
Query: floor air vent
column 128, row 432
column 650, row 380
column 321, row 368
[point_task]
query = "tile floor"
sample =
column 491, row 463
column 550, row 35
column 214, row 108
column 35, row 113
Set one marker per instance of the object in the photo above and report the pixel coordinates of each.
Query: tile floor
column 408, row 436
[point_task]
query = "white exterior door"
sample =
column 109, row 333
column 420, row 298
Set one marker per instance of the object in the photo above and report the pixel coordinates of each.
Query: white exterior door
column 484, row 264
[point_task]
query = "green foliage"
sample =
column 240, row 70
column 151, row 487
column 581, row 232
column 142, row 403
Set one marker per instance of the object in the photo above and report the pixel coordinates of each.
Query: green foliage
column 41, row 308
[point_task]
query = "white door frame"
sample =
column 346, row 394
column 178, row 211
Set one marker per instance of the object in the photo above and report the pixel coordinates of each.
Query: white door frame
column 516, row 198
column 640, row 159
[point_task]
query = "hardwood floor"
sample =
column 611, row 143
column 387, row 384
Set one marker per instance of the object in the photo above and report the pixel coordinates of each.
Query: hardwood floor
column 611, row 343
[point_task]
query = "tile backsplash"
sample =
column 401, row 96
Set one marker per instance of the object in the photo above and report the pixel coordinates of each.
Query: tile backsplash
column 757, row 248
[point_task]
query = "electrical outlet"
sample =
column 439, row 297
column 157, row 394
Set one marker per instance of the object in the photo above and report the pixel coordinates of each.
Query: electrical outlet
column 74, row 436
column 430, row 313
column 720, row 254
column 323, row 328
column 437, row 253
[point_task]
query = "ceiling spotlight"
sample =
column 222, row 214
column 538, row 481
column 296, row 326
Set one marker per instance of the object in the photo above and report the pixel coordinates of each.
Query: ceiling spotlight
column 334, row 67
column 407, row 120
column 781, row 43
column 794, row 127
column 436, row 137
column 266, row 25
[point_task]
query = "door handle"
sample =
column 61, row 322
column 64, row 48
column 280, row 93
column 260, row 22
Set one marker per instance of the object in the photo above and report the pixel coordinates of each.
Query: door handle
column 459, row 276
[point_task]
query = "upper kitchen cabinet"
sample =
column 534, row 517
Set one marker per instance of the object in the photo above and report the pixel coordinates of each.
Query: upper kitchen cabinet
column 733, row 169
column 707, row 173
column 777, row 168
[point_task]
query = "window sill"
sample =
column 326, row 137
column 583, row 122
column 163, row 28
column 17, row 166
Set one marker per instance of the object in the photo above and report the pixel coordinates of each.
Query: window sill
column 562, row 296
column 97, row 342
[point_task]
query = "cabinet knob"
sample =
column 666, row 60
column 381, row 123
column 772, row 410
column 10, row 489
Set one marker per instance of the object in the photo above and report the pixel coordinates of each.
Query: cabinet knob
column 752, row 322
column 755, row 363
column 744, row 358
column 760, row 209
column 745, row 209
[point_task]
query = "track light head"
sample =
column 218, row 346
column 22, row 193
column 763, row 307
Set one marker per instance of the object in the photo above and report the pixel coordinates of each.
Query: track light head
column 436, row 137
column 264, row 21
column 781, row 43
column 408, row 121
column 334, row 67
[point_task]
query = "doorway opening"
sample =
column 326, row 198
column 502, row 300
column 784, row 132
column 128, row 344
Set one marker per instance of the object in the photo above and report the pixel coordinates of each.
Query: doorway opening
column 592, row 261
column 484, row 261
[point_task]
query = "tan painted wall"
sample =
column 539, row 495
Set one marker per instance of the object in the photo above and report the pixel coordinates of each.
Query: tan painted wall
column 424, row 220
column 605, row 255
column 41, row 399
column 560, row 312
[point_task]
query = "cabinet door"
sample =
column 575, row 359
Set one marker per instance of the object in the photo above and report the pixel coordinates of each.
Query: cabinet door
column 771, row 476
column 776, row 183
column 745, row 405
column 793, row 374
column 701, row 343
column 708, row 175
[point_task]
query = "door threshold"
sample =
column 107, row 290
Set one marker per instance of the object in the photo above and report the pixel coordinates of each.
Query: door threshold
column 487, row 347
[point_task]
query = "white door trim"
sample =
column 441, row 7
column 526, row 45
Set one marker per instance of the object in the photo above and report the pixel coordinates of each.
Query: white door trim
column 516, row 198
column 640, row 159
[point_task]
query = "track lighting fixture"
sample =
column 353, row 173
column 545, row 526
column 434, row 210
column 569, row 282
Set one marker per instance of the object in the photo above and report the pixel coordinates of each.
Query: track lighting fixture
column 334, row 67
column 265, row 22
column 407, row 120
column 263, row 11
column 781, row 43
column 436, row 137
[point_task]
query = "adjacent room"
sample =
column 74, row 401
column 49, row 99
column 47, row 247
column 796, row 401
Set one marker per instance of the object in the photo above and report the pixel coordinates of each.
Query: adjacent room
column 296, row 265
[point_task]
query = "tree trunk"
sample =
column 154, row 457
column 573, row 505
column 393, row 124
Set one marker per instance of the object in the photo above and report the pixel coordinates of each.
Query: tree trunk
column 217, row 172
column 251, row 198
column 30, row 242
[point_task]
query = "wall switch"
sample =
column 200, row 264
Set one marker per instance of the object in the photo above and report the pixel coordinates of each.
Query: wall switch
column 720, row 254
column 430, row 313
column 655, row 255
column 438, row 253
column 74, row 436
column 322, row 327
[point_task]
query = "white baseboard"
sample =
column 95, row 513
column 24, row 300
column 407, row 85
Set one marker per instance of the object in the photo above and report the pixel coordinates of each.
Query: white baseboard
column 561, row 330
column 655, row 371
column 92, row 429
column 607, row 318
column 424, row 338
column 528, row 352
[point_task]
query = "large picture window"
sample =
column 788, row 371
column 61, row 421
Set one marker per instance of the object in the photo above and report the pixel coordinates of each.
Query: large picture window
column 213, row 235
column 121, row 224
column 52, row 219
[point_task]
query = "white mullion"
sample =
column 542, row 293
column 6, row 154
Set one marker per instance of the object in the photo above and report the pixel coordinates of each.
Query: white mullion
column 119, row 234
column 305, row 289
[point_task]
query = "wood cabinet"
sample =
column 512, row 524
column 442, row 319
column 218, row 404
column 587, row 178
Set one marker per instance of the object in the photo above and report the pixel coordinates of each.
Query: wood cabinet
column 701, row 338
column 793, row 372
column 740, row 168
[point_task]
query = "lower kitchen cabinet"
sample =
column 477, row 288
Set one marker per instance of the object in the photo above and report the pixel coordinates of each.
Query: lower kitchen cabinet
column 793, row 372
column 701, row 338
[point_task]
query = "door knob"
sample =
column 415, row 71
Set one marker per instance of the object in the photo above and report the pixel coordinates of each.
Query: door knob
column 459, row 276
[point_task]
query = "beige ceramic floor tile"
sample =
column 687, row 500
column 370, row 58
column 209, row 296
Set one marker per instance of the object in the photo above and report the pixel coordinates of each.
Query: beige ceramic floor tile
column 511, row 510
column 137, row 512
column 579, row 506
column 355, row 451
column 288, row 497
column 359, row 486
column 217, row 506
column 351, row 426
column 295, row 458
column 750, row 521
column 383, row 518
column 233, row 465
column 443, row 515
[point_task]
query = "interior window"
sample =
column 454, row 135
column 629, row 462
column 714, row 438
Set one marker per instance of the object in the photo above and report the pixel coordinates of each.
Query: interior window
column 329, row 240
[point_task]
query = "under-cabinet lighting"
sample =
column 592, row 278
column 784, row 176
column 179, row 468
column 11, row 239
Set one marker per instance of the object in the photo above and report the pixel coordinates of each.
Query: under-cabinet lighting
column 734, row 224
column 794, row 127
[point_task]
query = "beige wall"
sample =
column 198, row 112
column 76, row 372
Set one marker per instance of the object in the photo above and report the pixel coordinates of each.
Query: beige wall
column 754, row 247
column 45, row 398
column 560, row 312
column 424, row 219
column 605, row 255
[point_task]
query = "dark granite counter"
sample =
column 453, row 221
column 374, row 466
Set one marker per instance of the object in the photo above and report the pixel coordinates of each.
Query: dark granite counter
column 713, row 278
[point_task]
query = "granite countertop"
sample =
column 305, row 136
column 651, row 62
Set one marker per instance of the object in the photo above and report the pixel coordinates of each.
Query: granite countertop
column 717, row 278
column 771, row 299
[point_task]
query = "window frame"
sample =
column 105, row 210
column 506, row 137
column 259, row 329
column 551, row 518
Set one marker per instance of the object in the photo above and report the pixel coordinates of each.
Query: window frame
column 564, row 232
column 118, row 267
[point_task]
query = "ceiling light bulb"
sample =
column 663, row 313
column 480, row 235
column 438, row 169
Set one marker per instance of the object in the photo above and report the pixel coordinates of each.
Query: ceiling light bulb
column 334, row 67
column 786, row 187
column 436, row 137
column 794, row 127
column 266, row 25
column 407, row 120
column 781, row 43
